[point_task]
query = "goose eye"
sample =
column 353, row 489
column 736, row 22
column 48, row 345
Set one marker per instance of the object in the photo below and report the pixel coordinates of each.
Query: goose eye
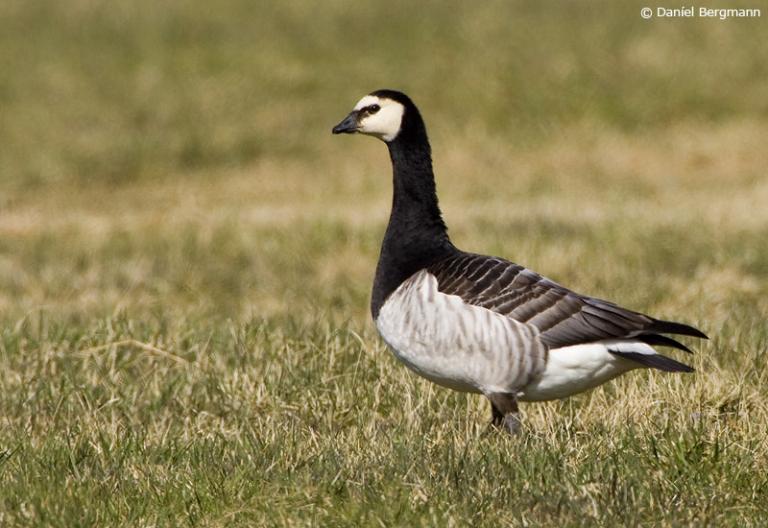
column 373, row 108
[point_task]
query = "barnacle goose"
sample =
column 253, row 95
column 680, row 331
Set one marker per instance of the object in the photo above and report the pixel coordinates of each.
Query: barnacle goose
column 483, row 324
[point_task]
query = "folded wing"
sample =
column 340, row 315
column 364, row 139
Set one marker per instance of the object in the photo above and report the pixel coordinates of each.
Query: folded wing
column 562, row 316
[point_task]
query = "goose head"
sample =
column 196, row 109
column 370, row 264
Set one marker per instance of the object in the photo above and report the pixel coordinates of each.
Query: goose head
column 382, row 114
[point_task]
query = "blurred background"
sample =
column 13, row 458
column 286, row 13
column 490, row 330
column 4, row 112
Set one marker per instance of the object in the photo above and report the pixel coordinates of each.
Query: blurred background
column 177, row 156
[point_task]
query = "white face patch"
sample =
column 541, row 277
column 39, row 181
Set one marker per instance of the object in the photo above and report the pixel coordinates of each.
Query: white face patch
column 384, row 123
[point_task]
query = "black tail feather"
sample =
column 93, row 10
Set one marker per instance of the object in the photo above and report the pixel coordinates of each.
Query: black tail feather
column 671, row 327
column 660, row 340
column 656, row 361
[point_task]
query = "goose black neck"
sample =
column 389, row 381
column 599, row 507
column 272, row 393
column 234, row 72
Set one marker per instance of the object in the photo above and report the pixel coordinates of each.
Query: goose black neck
column 416, row 235
column 415, row 209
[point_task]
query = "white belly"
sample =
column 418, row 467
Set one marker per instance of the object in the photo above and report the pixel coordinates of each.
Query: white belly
column 457, row 345
column 578, row 368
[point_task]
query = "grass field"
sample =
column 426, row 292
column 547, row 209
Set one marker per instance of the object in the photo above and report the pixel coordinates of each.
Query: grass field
column 186, row 255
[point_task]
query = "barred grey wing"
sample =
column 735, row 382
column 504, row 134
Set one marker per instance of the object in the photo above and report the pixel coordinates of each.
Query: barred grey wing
column 562, row 316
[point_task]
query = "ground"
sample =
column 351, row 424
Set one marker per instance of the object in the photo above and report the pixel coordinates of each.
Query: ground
column 186, row 256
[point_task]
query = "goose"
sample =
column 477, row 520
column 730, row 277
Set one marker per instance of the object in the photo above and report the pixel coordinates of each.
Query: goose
column 482, row 324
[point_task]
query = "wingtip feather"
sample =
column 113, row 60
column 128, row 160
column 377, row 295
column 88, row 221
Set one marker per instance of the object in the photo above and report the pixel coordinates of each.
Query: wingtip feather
column 656, row 361
column 672, row 327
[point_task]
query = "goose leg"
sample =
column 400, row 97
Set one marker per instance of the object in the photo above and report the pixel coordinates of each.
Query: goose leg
column 504, row 412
